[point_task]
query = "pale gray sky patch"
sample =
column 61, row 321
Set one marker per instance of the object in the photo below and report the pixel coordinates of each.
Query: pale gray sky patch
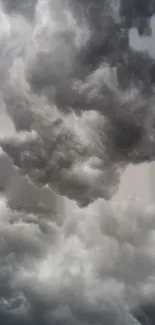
column 143, row 43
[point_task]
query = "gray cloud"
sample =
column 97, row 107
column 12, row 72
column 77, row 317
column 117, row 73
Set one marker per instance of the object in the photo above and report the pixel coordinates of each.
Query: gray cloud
column 65, row 259
column 80, row 272
column 48, row 92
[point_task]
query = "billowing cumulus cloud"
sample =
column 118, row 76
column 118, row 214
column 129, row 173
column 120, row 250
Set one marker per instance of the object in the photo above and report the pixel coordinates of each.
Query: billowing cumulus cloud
column 77, row 106
column 92, row 265
column 81, row 128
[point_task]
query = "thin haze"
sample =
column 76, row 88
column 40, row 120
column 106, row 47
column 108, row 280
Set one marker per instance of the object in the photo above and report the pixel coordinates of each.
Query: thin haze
column 77, row 108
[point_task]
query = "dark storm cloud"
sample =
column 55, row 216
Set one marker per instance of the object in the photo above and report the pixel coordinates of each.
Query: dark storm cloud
column 82, row 103
column 75, row 112
column 24, row 7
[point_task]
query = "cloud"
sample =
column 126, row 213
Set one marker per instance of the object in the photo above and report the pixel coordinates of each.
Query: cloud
column 82, row 129
column 80, row 110
column 96, row 266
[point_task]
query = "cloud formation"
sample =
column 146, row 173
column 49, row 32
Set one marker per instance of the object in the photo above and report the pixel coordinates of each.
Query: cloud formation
column 81, row 128
column 95, row 265
column 81, row 101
